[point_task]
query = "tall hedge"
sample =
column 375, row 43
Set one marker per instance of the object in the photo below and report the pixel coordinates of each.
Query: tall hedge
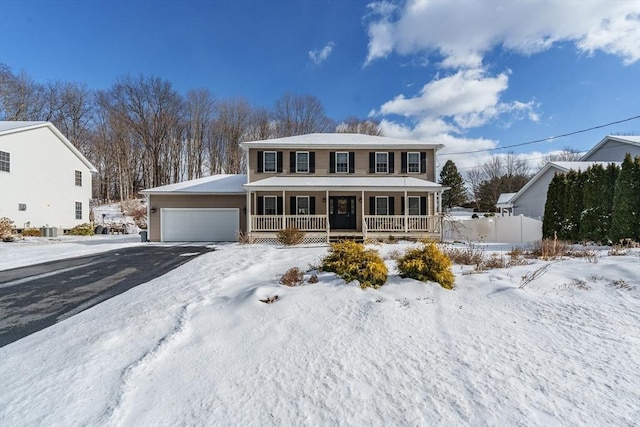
column 554, row 208
column 625, row 223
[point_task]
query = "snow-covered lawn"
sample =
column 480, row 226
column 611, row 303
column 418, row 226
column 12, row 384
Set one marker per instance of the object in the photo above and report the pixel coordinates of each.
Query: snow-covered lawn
column 197, row 347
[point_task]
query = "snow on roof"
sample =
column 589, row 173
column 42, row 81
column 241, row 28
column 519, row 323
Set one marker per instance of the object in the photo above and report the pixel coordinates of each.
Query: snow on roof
column 350, row 183
column 343, row 140
column 6, row 126
column 214, row 184
column 631, row 140
column 505, row 198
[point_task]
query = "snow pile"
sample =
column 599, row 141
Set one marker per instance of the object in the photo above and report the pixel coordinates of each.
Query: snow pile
column 197, row 347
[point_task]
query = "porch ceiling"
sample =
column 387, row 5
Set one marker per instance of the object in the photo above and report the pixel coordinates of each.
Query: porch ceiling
column 345, row 183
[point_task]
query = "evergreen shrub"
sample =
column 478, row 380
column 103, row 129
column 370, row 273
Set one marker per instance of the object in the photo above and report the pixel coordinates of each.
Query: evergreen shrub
column 85, row 229
column 351, row 261
column 427, row 263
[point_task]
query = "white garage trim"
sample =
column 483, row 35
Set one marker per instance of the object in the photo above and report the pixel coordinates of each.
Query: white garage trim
column 199, row 224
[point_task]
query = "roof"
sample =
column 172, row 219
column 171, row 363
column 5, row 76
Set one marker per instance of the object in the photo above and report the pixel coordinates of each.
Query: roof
column 504, row 199
column 340, row 140
column 214, row 184
column 631, row 140
column 562, row 167
column 10, row 127
column 354, row 183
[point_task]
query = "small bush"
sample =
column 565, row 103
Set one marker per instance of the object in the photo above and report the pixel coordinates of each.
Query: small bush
column 548, row 249
column 313, row 278
column 351, row 261
column 244, row 238
column 31, row 232
column 427, row 263
column 85, row 229
column 290, row 236
column 472, row 254
column 618, row 250
column 293, row 277
column 6, row 228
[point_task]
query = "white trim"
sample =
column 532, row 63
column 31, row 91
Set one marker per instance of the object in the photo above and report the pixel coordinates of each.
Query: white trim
column 264, row 162
column 75, row 211
column 408, row 204
column 375, row 162
column 341, row 141
column 419, row 162
column 9, row 161
column 336, row 162
column 375, row 210
column 308, row 205
column 308, row 158
column 275, row 206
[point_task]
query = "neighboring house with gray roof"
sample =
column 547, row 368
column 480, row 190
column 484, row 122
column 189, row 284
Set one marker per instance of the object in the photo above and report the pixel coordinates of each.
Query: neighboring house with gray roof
column 44, row 179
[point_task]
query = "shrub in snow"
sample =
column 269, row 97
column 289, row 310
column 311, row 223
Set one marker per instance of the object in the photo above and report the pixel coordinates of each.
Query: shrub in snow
column 427, row 263
column 313, row 278
column 293, row 277
column 351, row 261
column 82, row 230
column 6, row 228
column 290, row 236
column 31, row 232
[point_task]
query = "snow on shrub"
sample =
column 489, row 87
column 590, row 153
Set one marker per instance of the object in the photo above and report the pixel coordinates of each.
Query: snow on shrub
column 427, row 263
column 351, row 261
column 293, row 277
column 6, row 228
column 85, row 229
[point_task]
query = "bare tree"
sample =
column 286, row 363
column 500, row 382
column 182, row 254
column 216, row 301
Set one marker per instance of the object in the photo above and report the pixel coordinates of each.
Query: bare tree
column 299, row 115
column 21, row 98
column 567, row 154
column 199, row 115
column 356, row 125
column 73, row 112
column 230, row 129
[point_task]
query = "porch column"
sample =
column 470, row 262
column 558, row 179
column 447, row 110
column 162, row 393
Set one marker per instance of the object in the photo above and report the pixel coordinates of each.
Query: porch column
column 248, row 211
column 284, row 211
column 363, row 224
column 406, row 212
column 439, row 202
column 326, row 212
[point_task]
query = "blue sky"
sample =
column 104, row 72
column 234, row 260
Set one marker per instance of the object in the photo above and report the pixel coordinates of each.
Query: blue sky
column 473, row 75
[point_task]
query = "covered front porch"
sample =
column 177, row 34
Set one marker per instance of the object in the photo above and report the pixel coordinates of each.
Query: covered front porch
column 352, row 207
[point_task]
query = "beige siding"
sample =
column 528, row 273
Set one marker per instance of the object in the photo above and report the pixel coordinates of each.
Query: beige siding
column 158, row 202
column 322, row 164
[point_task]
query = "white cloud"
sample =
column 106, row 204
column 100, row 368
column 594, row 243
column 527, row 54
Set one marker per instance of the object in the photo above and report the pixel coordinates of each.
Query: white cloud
column 318, row 56
column 462, row 32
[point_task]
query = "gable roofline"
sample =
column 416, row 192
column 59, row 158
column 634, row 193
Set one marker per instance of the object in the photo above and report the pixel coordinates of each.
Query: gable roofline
column 8, row 128
column 562, row 167
column 631, row 140
column 340, row 141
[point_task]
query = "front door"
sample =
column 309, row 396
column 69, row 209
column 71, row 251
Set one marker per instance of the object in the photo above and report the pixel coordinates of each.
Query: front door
column 342, row 212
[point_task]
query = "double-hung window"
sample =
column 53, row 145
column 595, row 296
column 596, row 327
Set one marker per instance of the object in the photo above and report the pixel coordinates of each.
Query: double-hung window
column 414, row 205
column 78, row 210
column 5, row 161
column 269, row 161
column 342, row 162
column 413, row 162
column 382, row 162
column 270, row 205
column 78, row 178
column 302, row 161
column 382, row 205
column 302, row 205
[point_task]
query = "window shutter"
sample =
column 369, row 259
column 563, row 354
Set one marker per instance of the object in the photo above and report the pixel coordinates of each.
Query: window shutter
column 279, row 161
column 372, row 163
column 312, row 162
column 279, row 205
column 332, row 162
column 391, row 162
column 423, row 205
column 372, row 205
column 352, row 162
column 403, row 161
column 401, row 205
column 292, row 162
column 423, row 162
column 312, row 205
column 260, row 205
column 292, row 205
column 260, row 160
column 391, row 205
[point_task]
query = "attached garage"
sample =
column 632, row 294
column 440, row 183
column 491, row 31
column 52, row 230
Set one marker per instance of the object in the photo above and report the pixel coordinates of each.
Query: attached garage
column 199, row 225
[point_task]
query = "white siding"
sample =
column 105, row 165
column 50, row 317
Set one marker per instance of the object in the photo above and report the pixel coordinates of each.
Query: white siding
column 531, row 203
column 42, row 177
column 613, row 151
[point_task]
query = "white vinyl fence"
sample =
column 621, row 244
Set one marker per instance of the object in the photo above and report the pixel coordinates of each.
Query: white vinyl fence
column 497, row 229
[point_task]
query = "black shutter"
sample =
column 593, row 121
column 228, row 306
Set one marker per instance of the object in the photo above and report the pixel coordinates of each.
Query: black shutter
column 423, row 162
column 423, row 205
column 372, row 205
column 279, row 205
column 391, row 207
column 403, row 161
column 352, row 162
column 401, row 205
column 391, row 162
column 312, row 205
column 312, row 162
column 292, row 205
column 279, row 161
column 260, row 205
column 292, row 162
column 260, row 160
column 332, row 162
column 372, row 163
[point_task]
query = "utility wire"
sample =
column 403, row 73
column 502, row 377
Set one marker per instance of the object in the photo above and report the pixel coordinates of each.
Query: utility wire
column 543, row 139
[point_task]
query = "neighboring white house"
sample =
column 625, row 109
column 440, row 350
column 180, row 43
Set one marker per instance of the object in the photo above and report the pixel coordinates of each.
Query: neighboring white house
column 44, row 179
column 531, row 198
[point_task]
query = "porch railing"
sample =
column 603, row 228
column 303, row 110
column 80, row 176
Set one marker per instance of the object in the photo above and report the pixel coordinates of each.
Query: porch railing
column 372, row 223
column 397, row 223
column 301, row 222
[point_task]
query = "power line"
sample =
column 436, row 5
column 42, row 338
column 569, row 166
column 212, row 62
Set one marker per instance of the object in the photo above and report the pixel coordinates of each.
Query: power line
column 543, row 139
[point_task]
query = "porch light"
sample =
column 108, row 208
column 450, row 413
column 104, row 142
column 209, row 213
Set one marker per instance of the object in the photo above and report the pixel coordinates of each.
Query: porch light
column 152, row 210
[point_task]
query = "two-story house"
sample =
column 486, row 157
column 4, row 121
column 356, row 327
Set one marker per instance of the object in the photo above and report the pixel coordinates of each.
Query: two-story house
column 328, row 185
column 44, row 179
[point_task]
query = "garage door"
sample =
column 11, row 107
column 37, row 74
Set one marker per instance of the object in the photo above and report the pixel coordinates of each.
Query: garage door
column 199, row 225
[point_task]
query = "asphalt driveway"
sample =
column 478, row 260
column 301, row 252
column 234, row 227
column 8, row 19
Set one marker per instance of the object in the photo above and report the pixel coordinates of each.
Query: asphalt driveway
column 35, row 297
